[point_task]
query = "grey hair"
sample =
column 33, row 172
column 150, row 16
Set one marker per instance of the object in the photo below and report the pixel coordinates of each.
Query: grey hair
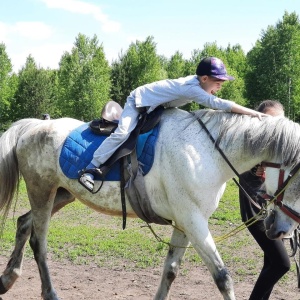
column 266, row 104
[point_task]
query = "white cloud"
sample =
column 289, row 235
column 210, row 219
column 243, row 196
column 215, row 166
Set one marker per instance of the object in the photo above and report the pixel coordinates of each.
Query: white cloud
column 49, row 55
column 132, row 39
column 46, row 55
column 24, row 38
column 28, row 30
column 84, row 8
column 4, row 32
column 33, row 30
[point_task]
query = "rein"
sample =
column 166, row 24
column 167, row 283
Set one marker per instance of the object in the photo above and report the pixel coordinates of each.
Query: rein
column 231, row 166
column 262, row 211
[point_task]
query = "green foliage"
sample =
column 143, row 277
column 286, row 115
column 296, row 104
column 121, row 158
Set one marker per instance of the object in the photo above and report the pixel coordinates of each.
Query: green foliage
column 274, row 69
column 34, row 95
column 83, row 80
column 176, row 66
column 8, row 84
column 138, row 66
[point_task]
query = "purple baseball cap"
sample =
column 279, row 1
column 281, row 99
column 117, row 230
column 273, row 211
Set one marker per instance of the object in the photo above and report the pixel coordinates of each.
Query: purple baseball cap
column 213, row 66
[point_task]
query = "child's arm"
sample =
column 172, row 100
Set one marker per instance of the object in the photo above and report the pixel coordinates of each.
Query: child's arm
column 236, row 108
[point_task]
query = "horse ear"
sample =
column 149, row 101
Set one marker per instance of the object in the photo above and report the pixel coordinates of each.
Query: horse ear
column 111, row 111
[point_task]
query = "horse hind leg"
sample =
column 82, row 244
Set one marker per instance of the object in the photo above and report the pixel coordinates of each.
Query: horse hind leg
column 14, row 267
column 179, row 243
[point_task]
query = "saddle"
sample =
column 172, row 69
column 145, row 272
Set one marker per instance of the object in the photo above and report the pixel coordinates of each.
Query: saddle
column 108, row 123
column 103, row 127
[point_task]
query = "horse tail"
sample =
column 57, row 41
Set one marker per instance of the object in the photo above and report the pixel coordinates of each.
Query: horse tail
column 9, row 168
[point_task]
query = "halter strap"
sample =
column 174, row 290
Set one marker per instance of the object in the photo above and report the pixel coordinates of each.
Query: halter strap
column 270, row 164
column 282, row 185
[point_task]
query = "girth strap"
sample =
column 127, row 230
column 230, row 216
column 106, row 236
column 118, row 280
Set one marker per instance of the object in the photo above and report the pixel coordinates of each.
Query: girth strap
column 123, row 201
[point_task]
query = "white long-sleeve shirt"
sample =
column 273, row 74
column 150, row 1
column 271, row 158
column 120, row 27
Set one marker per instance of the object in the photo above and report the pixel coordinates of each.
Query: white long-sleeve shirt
column 176, row 93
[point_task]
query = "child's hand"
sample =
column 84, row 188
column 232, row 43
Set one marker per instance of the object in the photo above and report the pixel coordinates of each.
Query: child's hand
column 259, row 115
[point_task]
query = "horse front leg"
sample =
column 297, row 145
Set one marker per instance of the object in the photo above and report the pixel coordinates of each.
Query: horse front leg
column 14, row 267
column 179, row 243
column 198, row 233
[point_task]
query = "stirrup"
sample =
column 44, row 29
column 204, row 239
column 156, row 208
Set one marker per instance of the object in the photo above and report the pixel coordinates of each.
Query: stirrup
column 86, row 182
column 96, row 172
column 93, row 171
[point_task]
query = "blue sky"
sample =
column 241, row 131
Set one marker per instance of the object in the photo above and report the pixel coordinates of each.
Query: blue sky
column 47, row 28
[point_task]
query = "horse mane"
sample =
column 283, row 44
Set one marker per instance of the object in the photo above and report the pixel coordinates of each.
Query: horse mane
column 279, row 137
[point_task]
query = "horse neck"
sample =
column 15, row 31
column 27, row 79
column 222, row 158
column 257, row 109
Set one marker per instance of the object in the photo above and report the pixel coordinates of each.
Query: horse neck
column 240, row 160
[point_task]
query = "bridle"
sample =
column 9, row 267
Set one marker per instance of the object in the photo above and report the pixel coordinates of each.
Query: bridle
column 277, row 199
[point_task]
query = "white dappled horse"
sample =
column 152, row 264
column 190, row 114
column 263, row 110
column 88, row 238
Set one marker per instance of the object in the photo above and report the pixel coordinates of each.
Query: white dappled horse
column 185, row 184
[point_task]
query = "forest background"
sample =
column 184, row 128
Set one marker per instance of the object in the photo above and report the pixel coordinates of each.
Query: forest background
column 85, row 80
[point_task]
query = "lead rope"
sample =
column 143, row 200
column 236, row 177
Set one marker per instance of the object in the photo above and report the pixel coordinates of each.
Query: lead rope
column 261, row 213
column 294, row 244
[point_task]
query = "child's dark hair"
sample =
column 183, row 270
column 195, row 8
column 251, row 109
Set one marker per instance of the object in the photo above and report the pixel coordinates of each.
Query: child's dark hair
column 263, row 106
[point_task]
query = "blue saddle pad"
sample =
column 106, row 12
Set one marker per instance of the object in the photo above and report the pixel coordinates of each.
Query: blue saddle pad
column 80, row 145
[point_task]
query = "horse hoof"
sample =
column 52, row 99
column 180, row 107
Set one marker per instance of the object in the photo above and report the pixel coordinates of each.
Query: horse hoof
column 3, row 290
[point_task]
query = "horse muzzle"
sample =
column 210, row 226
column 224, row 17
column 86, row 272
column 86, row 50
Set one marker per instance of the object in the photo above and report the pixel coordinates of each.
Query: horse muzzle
column 275, row 227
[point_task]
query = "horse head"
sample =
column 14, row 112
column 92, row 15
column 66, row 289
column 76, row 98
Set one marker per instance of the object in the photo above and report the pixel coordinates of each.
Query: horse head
column 283, row 186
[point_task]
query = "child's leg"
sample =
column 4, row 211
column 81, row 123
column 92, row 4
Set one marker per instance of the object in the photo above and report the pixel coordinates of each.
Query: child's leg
column 127, row 123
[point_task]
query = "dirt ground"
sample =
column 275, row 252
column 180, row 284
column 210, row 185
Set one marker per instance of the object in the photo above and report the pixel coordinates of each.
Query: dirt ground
column 94, row 283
